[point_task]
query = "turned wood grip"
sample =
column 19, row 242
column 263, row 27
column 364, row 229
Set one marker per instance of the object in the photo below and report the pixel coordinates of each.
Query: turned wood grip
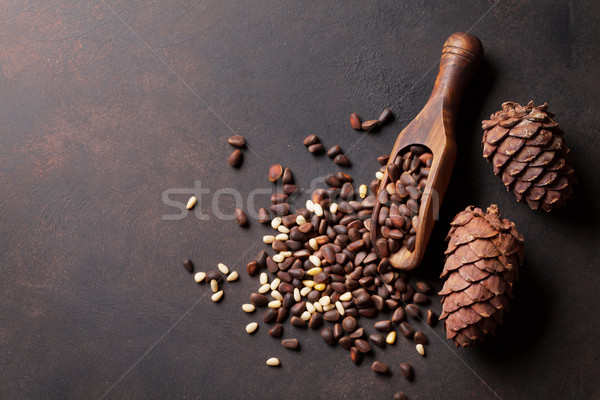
column 461, row 55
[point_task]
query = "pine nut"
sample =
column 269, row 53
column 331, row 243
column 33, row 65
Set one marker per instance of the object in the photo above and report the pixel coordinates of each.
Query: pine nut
column 276, row 295
column 232, row 276
column 214, row 286
column 328, row 307
column 316, row 261
column 325, row 300
column 310, row 308
column 249, row 308
column 282, row 237
column 268, row 239
column 314, row 271
column 191, row 203
column 286, row 254
column 310, row 206
column 275, row 283
column 264, row 288
column 305, row 290
column 300, row 220
column 346, row 296
column 188, row 265
column 275, row 222
column 318, row 210
column 217, row 296
column 379, row 175
column 391, row 337
column 391, row 188
column 274, row 304
column 283, row 229
column 309, row 283
column 318, row 306
column 305, row 315
column 278, row 258
column 273, row 362
column 421, row 349
column 313, row 244
column 320, row 287
column 236, row 158
column 333, row 208
column 251, row 327
column 264, row 278
column 200, row 276
column 362, row 191
column 223, row 268
column 340, row 307
column 297, row 295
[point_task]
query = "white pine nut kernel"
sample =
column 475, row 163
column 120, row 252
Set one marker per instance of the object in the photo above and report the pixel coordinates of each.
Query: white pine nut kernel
column 308, row 283
column 310, row 206
column 379, row 175
column 276, row 295
column 264, row 278
column 362, row 191
column 273, row 362
column 305, row 315
column 251, row 327
column 275, row 222
column 305, row 290
column 283, row 229
column 325, row 300
column 318, row 306
column 274, row 304
column 275, row 283
column 282, row 237
column 191, row 203
column 278, row 258
column 316, row 261
column 328, row 307
column 264, row 288
column 333, row 208
column 232, row 276
column 391, row 337
column 300, row 220
column 340, row 307
column 214, row 286
column 217, row 296
column 249, row 308
column 346, row 296
column 286, row 254
column 421, row 349
column 297, row 296
column 223, row 268
column 200, row 276
column 318, row 210
column 313, row 244
column 268, row 239
column 310, row 308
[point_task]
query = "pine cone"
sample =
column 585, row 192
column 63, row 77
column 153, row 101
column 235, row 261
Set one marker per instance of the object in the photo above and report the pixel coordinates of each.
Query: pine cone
column 526, row 146
column 482, row 259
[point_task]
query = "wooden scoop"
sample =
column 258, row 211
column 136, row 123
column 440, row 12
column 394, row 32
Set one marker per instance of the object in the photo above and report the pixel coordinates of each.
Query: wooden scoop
column 434, row 128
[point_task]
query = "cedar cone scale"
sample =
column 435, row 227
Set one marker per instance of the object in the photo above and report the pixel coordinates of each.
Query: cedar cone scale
column 483, row 256
column 526, row 147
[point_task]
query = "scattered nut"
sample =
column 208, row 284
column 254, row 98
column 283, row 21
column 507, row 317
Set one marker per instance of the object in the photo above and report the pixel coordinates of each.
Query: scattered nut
column 251, row 327
column 217, row 296
column 191, row 202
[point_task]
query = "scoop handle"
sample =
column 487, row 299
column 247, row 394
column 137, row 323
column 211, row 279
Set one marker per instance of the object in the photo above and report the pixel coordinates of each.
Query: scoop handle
column 461, row 55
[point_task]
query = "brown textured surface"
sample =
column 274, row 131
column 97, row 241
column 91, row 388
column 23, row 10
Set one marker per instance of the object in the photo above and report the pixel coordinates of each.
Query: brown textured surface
column 94, row 129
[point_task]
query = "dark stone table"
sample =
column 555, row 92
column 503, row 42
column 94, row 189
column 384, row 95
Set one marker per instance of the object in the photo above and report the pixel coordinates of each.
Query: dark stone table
column 108, row 107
